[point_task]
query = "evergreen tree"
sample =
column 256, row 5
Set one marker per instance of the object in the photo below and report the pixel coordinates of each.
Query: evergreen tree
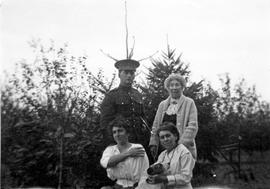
column 204, row 96
column 153, row 90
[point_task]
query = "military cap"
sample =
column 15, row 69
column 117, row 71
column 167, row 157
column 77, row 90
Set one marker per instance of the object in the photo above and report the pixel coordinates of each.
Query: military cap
column 127, row 64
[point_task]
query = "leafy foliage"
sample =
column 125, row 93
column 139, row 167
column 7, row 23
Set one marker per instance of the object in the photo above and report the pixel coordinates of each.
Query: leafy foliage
column 50, row 117
column 50, row 120
column 241, row 113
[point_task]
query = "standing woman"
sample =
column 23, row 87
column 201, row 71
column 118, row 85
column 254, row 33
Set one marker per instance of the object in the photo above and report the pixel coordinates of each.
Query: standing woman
column 124, row 162
column 176, row 159
column 181, row 111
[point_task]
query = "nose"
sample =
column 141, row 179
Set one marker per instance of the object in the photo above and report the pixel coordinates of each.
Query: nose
column 116, row 133
column 129, row 74
column 166, row 138
column 174, row 87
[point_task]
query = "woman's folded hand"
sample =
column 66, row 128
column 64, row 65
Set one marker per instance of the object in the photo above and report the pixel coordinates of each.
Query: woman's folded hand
column 156, row 179
column 136, row 152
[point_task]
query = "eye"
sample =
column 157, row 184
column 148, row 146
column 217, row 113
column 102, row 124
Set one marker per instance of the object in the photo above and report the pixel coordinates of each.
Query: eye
column 129, row 72
column 165, row 136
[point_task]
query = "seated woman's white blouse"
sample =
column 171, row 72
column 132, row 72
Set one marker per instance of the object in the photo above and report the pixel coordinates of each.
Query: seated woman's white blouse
column 181, row 163
column 128, row 171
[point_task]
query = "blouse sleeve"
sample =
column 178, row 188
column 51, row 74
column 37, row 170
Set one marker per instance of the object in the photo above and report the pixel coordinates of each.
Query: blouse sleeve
column 108, row 152
column 184, row 175
column 145, row 165
column 142, row 163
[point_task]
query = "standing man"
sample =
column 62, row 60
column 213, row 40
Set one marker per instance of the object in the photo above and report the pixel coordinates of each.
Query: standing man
column 126, row 101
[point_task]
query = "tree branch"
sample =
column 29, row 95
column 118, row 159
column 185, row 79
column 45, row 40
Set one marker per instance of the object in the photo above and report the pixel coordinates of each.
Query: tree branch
column 148, row 57
column 108, row 55
column 126, row 29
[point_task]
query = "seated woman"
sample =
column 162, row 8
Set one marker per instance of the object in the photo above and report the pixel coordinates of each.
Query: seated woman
column 125, row 162
column 176, row 159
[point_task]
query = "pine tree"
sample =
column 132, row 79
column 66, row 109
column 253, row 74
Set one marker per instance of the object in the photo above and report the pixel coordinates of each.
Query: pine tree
column 204, row 96
column 154, row 91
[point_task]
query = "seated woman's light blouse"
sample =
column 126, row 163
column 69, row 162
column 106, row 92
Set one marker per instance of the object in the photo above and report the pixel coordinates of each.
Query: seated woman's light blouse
column 128, row 171
column 181, row 164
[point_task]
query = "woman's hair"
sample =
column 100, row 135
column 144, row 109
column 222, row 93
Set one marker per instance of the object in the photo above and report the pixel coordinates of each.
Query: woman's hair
column 169, row 126
column 174, row 76
column 120, row 121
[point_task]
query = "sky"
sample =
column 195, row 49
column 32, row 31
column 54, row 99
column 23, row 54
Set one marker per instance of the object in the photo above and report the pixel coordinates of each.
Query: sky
column 214, row 36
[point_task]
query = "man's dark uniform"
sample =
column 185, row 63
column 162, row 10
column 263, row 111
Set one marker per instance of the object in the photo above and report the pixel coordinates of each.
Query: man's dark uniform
column 127, row 102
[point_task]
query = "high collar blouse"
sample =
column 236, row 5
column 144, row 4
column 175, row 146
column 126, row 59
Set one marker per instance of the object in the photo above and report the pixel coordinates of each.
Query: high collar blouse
column 179, row 171
column 174, row 106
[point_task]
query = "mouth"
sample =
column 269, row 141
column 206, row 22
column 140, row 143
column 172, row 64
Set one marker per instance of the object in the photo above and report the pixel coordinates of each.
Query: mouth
column 117, row 138
column 167, row 144
column 120, row 138
column 129, row 82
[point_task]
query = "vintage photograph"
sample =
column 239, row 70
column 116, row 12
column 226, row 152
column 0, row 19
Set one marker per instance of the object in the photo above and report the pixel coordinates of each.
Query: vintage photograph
column 135, row 94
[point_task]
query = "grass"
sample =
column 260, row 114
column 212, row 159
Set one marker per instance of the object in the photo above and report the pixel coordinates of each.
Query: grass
column 254, row 174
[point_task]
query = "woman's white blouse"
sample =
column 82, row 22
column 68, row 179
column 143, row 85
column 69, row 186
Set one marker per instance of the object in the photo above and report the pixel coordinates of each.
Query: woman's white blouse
column 173, row 107
column 128, row 171
column 181, row 163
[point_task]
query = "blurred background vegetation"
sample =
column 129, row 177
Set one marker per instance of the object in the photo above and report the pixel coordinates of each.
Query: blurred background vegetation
column 50, row 133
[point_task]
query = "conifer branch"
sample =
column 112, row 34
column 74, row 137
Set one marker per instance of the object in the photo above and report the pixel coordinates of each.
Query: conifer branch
column 168, row 46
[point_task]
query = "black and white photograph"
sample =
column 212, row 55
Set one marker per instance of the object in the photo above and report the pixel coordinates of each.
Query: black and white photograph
column 135, row 94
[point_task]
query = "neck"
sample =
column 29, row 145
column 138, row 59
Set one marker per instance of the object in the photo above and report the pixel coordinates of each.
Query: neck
column 122, row 146
column 125, row 86
column 176, row 97
column 171, row 149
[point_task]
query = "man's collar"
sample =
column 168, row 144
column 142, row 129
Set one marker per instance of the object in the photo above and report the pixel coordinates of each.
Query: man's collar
column 125, row 88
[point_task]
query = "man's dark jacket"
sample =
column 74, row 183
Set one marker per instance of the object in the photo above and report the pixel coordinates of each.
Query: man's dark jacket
column 127, row 102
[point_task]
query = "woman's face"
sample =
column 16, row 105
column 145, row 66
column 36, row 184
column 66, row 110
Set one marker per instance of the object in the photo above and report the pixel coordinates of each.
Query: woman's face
column 175, row 88
column 120, row 135
column 167, row 139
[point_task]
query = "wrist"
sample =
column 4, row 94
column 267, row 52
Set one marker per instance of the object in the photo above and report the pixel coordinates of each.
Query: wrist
column 126, row 154
column 165, row 179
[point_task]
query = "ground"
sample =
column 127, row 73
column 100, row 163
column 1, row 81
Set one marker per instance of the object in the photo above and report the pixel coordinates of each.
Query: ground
column 254, row 174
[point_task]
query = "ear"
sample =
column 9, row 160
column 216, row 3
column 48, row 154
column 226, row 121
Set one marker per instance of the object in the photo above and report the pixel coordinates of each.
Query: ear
column 128, row 134
column 119, row 73
column 176, row 137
